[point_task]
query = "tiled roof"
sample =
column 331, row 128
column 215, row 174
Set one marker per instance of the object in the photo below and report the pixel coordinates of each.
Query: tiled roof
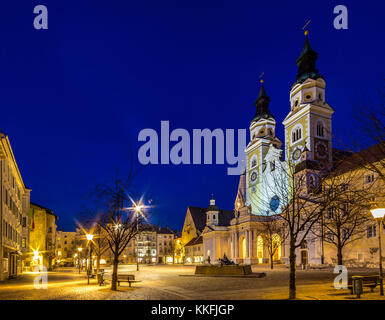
column 199, row 217
column 195, row 241
column 225, row 217
column 361, row 158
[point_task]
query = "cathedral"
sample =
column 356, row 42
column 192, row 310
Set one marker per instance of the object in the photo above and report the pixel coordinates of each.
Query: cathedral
column 308, row 144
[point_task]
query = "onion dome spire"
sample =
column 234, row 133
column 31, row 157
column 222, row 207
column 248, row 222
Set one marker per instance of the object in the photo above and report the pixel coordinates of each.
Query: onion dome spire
column 306, row 62
column 262, row 105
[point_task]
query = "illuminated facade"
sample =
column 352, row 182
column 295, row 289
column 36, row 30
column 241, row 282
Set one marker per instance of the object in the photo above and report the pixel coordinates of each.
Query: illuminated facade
column 14, row 220
column 42, row 237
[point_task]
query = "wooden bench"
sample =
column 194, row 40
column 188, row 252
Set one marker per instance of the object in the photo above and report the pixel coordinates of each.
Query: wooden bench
column 130, row 278
column 367, row 281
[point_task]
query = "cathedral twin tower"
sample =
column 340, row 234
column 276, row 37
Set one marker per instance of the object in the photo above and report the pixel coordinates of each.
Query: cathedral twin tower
column 307, row 134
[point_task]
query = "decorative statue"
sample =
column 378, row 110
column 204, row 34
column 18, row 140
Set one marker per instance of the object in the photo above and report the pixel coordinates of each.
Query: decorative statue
column 225, row 261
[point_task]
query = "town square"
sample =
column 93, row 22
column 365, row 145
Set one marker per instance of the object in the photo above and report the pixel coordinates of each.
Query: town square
column 147, row 155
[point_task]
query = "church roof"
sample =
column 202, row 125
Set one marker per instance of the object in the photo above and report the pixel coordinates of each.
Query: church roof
column 199, row 217
column 306, row 63
column 195, row 241
column 353, row 161
column 262, row 105
column 225, row 216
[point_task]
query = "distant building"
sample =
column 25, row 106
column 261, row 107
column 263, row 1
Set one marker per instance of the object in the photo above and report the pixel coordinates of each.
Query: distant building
column 65, row 247
column 42, row 236
column 146, row 245
column 165, row 244
column 14, row 220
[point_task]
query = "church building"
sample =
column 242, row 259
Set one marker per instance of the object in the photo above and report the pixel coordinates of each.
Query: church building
column 239, row 234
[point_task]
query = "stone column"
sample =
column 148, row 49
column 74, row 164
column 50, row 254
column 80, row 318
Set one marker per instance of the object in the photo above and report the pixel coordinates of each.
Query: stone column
column 247, row 244
column 251, row 244
column 236, row 245
column 232, row 245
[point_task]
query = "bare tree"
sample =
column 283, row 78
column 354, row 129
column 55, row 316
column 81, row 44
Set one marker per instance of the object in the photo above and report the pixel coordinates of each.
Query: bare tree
column 119, row 224
column 299, row 211
column 345, row 219
column 272, row 235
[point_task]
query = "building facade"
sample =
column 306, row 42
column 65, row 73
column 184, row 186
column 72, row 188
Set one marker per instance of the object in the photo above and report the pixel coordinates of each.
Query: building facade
column 14, row 219
column 43, row 237
column 165, row 244
column 239, row 234
column 65, row 247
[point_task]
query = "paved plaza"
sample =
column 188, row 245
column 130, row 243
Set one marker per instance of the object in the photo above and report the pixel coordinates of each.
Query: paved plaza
column 176, row 282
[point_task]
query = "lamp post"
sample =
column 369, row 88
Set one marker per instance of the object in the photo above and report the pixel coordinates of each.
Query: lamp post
column 89, row 238
column 138, row 211
column 80, row 250
column 378, row 214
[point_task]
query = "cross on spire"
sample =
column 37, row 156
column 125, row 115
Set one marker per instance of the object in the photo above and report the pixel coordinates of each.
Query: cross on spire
column 305, row 27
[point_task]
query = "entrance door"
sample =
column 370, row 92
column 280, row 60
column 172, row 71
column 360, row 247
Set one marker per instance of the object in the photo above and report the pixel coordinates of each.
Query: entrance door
column 304, row 257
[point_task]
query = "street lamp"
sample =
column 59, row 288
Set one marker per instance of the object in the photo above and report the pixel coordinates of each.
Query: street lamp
column 138, row 209
column 378, row 214
column 89, row 238
column 80, row 250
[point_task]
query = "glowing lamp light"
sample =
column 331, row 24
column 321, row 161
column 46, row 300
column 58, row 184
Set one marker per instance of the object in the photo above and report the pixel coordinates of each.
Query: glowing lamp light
column 80, row 249
column 89, row 236
column 138, row 208
column 35, row 254
column 378, row 213
column 102, row 261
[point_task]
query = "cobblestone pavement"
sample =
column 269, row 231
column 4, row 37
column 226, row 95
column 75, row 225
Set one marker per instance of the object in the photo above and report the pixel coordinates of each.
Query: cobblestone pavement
column 177, row 282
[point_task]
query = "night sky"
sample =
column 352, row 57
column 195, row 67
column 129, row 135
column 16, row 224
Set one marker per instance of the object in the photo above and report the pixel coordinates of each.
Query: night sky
column 73, row 98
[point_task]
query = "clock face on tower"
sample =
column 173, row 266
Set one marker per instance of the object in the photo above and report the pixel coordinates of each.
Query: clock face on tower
column 296, row 154
column 253, row 176
column 321, row 149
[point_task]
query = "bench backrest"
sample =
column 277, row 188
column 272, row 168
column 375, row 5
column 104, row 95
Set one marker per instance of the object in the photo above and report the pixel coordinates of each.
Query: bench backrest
column 365, row 279
column 126, row 276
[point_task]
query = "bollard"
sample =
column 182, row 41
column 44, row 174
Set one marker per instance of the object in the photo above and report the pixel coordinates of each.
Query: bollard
column 357, row 286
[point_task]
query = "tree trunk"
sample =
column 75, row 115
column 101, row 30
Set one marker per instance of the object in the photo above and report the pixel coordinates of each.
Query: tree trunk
column 97, row 268
column 115, row 271
column 271, row 261
column 292, row 286
column 339, row 255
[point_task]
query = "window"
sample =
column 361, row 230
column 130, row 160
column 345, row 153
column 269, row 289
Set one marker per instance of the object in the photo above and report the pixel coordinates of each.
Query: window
column 320, row 96
column 345, row 234
column 253, row 162
column 213, row 216
column 296, row 134
column 330, row 213
column 50, row 230
column 344, row 209
column 329, row 236
column 371, row 231
column 23, row 242
column 320, row 129
column 24, row 222
column 369, row 178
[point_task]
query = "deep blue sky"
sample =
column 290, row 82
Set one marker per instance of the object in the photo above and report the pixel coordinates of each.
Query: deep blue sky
column 74, row 97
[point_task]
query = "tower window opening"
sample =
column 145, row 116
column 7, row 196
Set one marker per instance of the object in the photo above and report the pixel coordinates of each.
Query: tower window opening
column 320, row 129
column 297, row 134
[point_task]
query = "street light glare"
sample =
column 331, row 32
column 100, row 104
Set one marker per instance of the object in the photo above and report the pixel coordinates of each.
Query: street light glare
column 89, row 236
column 378, row 213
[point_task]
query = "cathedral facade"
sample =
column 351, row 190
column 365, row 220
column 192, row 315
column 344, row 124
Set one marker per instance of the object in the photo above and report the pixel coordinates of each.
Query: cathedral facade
column 308, row 142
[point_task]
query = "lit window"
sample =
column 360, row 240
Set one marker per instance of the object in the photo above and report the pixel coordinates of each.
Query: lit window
column 369, row 178
column 371, row 231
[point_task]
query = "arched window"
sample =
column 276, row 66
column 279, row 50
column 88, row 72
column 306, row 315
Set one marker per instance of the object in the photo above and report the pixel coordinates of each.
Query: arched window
column 320, row 129
column 253, row 162
column 296, row 133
